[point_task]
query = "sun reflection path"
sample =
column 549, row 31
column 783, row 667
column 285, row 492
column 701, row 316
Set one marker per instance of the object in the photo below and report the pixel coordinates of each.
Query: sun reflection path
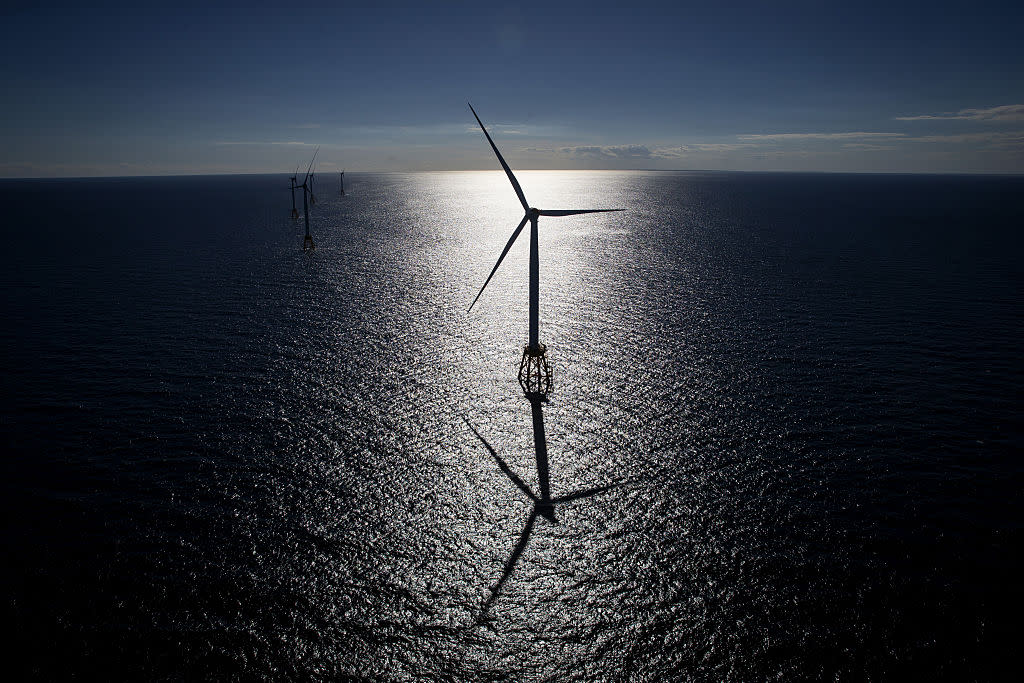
column 543, row 505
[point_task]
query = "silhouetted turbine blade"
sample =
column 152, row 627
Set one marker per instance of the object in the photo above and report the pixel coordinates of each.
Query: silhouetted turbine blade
column 510, row 565
column 508, row 171
column 310, row 167
column 501, row 463
column 584, row 494
column 573, row 212
column 511, row 241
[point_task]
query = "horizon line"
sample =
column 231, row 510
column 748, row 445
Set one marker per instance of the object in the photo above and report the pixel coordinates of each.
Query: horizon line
column 199, row 174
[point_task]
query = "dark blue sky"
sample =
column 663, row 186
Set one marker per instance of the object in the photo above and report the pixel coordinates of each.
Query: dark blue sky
column 108, row 90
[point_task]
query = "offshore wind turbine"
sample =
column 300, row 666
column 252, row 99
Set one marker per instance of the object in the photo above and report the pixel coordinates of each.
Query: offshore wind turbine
column 294, row 184
column 342, row 182
column 534, row 370
column 307, row 194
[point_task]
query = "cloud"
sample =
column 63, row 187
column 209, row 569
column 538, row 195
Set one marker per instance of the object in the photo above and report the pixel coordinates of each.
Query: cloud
column 301, row 144
column 781, row 137
column 608, row 152
column 866, row 147
column 1007, row 112
column 870, row 141
column 530, row 130
column 698, row 148
column 1005, row 140
column 627, row 152
column 721, row 146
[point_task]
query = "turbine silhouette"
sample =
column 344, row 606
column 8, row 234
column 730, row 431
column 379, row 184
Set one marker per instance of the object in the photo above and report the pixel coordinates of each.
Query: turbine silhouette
column 294, row 180
column 307, row 195
column 534, row 370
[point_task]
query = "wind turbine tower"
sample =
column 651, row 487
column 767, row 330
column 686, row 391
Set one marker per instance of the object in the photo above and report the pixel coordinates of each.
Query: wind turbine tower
column 294, row 183
column 342, row 193
column 534, row 370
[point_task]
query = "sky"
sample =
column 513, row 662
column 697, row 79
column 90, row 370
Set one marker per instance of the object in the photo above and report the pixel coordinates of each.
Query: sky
column 185, row 88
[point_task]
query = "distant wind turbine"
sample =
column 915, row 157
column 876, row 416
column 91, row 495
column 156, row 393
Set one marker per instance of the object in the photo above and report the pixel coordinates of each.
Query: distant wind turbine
column 294, row 184
column 307, row 195
column 534, row 371
column 342, row 182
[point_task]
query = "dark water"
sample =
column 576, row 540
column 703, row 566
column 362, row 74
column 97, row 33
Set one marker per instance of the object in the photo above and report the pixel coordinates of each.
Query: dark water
column 224, row 459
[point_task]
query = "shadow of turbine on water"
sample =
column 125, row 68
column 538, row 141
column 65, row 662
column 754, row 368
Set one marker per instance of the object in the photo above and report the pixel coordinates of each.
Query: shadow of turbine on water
column 543, row 505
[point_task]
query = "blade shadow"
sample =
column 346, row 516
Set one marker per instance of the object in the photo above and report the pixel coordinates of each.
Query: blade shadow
column 510, row 565
column 587, row 493
column 543, row 506
column 502, row 464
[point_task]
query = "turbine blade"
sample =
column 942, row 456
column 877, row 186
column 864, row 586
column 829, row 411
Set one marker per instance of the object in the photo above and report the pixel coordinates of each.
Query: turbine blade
column 584, row 494
column 501, row 463
column 310, row 167
column 508, row 171
column 508, row 246
column 573, row 212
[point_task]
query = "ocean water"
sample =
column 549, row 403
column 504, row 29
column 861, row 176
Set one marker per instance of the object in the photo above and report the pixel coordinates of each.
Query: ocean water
column 797, row 398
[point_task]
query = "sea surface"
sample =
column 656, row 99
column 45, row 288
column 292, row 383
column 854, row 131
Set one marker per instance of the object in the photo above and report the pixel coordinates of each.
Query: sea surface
column 786, row 416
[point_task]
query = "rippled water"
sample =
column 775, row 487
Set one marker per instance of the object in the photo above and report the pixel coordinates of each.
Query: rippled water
column 225, row 458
